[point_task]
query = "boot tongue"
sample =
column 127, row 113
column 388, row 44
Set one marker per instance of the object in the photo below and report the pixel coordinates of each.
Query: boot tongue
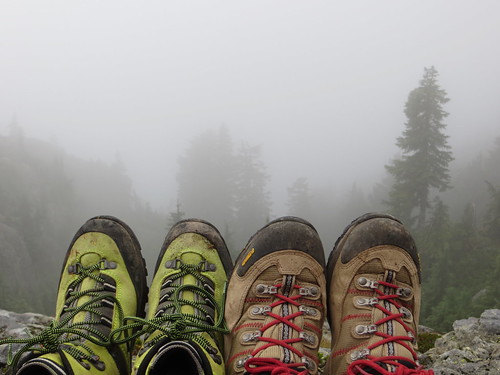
column 86, row 260
column 281, row 331
column 193, row 259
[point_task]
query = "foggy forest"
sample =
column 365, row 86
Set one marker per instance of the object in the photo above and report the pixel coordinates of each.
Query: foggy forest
column 239, row 114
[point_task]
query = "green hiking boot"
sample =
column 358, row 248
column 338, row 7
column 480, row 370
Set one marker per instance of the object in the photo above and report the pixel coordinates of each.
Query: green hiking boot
column 185, row 321
column 276, row 301
column 102, row 280
column 373, row 276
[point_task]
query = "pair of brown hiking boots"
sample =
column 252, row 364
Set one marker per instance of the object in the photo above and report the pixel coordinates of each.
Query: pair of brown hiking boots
column 264, row 317
column 280, row 292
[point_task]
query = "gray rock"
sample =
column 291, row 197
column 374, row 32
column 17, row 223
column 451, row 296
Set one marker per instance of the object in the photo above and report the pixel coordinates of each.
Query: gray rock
column 424, row 329
column 489, row 323
column 473, row 347
column 19, row 326
column 465, row 328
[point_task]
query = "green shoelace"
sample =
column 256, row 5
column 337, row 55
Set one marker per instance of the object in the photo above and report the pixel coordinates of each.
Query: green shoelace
column 60, row 334
column 178, row 326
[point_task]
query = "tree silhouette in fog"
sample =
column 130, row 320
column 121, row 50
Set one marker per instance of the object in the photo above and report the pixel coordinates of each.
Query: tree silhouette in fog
column 299, row 198
column 224, row 186
column 426, row 153
column 206, row 178
column 252, row 205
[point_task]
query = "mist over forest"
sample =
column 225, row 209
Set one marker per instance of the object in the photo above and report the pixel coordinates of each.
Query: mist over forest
column 241, row 113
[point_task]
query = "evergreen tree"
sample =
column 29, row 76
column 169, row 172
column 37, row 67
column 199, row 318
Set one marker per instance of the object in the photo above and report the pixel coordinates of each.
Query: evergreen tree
column 492, row 219
column 175, row 216
column 299, row 199
column 434, row 247
column 426, row 153
column 353, row 204
column 489, row 295
column 206, row 178
column 251, row 200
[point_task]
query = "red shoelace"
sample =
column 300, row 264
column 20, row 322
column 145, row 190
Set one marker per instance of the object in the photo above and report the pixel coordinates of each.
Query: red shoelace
column 360, row 367
column 271, row 365
column 394, row 365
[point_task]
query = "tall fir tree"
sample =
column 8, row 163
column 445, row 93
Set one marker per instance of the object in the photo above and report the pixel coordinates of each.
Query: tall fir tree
column 175, row 216
column 434, row 247
column 426, row 154
column 206, row 178
column 299, row 198
column 492, row 218
column 251, row 200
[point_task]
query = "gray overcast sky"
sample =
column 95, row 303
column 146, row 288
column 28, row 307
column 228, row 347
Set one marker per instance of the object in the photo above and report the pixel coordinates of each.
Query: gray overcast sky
column 320, row 85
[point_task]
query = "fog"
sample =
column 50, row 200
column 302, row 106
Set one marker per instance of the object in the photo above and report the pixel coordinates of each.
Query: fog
column 321, row 86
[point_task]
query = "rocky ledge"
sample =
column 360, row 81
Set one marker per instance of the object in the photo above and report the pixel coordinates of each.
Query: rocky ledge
column 20, row 326
column 472, row 348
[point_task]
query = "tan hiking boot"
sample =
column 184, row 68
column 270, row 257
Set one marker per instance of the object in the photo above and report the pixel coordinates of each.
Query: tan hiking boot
column 276, row 300
column 373, row 278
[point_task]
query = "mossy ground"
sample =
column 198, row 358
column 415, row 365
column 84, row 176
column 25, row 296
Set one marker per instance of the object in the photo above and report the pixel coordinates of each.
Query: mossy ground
column 426, row 341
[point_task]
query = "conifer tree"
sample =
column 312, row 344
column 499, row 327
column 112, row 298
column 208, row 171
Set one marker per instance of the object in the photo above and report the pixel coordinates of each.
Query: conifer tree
column 426, row 154
column 175, row 216
column 206, row 178
column 299, row 198
column 492, row 219
column 251, row 200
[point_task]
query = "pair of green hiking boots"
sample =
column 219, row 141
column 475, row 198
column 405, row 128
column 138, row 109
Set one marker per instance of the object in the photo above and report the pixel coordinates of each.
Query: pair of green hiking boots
column 266, row 319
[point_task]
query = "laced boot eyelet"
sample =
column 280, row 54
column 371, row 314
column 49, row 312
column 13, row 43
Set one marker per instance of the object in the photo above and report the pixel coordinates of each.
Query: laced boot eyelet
column 208, row 267
column 166, row 283
column 413, row 338
column 360, row 354
column 312, row 291
column 266, row 289
column 308, row 363
column 173, row 264
column 105, row 264
column 364, row 282
column 214, row 354
column 98, row 364
column 210, row 319
column 260, row 310
column 209, row 288
column 251, row 336
column 85, row 365
column 241, row 362
column 365, row 329
column 366, row 301
column 308, row 310
column 75, row 268
column 407, row 315
column 308, row 338
column 404, row 292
